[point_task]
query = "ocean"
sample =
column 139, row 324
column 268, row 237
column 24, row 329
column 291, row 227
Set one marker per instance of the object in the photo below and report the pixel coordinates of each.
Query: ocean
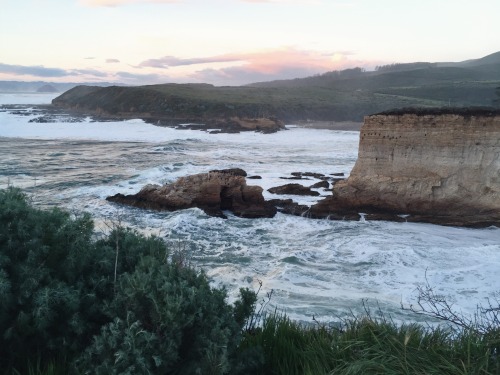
column 317, row 269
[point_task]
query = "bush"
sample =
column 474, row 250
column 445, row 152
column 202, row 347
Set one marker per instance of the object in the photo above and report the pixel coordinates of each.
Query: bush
column 115, row 305
column 44, row 300
column 166, row 319
column 123, row 304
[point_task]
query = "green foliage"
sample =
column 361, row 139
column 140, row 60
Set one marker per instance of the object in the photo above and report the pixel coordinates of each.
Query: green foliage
column 123, row 304
column 290, row 348
column 496, row 101
column 167, row 319
column 43, row 293
column 116, row 305
column 368, row 346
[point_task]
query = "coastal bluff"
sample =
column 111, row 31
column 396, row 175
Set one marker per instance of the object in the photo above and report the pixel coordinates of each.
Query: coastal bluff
column 188, row 106
column 431, row 165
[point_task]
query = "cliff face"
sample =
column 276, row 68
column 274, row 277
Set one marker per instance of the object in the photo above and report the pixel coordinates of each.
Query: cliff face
column 442, row 168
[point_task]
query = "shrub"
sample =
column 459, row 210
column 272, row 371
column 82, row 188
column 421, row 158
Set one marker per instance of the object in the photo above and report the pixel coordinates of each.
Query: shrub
column 167, row 319
column 44, row 300
column 115, row 305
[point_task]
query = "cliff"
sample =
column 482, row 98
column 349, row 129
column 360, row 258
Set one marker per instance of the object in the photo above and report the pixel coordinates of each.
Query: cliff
column 439, row 166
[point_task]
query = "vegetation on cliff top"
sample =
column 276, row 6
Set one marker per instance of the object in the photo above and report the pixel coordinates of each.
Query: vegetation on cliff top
column 73, row 302
column 464, row 111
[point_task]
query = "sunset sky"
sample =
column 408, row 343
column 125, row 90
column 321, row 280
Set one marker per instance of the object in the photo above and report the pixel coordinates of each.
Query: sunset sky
column 233, row 42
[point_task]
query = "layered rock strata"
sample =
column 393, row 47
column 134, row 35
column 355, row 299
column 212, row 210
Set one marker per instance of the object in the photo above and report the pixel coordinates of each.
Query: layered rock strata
column 435, row 166
column 213, row 192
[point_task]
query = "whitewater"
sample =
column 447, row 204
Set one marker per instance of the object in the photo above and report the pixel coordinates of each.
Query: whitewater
column 315, row 268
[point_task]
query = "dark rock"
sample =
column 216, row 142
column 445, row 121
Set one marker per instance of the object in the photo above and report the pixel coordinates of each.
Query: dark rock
column 294, row 178
column 254, row 177
column 293, row 189
column 213, row 192
column 308, row 174
column 321, row 185
column 288, row 206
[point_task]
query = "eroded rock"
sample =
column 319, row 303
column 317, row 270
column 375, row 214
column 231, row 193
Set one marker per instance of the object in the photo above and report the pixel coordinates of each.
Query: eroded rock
column 213, row 192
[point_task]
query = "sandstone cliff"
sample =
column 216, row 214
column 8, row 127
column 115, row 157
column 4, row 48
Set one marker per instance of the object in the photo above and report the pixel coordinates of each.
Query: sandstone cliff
column 435, row 166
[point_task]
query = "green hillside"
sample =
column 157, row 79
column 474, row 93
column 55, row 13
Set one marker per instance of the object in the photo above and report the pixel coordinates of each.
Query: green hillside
column 346, row 95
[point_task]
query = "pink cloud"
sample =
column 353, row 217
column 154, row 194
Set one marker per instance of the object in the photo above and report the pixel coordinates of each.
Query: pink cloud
column 307, row 2
column 284, row 63
column 171, row 61
column 269, row 61
column 111, row 3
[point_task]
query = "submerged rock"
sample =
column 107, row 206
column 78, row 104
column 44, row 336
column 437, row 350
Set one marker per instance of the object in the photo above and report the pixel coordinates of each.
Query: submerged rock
column 213, row 192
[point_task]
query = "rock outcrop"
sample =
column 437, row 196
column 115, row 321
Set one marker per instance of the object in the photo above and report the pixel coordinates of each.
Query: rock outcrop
column 293, row 189
column 435, row 166
column 213, row 192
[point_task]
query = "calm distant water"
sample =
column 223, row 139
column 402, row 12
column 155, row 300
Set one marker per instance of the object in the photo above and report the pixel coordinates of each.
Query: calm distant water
column 315, row 267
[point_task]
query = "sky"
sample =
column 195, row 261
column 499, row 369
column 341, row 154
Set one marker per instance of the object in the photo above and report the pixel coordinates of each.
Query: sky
column 234, row 42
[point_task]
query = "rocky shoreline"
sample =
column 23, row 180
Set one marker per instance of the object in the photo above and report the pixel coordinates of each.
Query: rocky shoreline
column 420, row 166
column 52, row 114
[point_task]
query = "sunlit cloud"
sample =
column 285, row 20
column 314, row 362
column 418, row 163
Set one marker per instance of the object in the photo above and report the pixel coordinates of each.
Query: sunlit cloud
column 39, row 71
column 43, row 72
column 112, row 3
column 171, row 61
column 284, row 63
column 265, row 61
column 87, row 72
column 307, row 2
column 228, row 69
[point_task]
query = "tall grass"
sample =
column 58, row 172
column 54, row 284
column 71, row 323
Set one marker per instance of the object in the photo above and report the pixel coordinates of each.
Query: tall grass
column 369, row 346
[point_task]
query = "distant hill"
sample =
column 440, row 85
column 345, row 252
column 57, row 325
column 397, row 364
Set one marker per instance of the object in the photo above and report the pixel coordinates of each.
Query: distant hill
column 346, row 95
column 41, row 86
column 47, row 88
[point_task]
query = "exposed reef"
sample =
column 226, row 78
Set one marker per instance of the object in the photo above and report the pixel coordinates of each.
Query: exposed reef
column 213, row 192
column 437, row 166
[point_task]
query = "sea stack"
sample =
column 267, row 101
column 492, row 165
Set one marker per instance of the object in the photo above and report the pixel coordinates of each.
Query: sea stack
column 433, row 165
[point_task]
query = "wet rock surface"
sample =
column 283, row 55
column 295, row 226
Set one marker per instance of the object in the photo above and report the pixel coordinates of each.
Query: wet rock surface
column 293, row 189
column 213, row 192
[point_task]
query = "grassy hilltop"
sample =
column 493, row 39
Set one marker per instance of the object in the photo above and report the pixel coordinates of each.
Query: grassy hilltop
column 346, row 95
